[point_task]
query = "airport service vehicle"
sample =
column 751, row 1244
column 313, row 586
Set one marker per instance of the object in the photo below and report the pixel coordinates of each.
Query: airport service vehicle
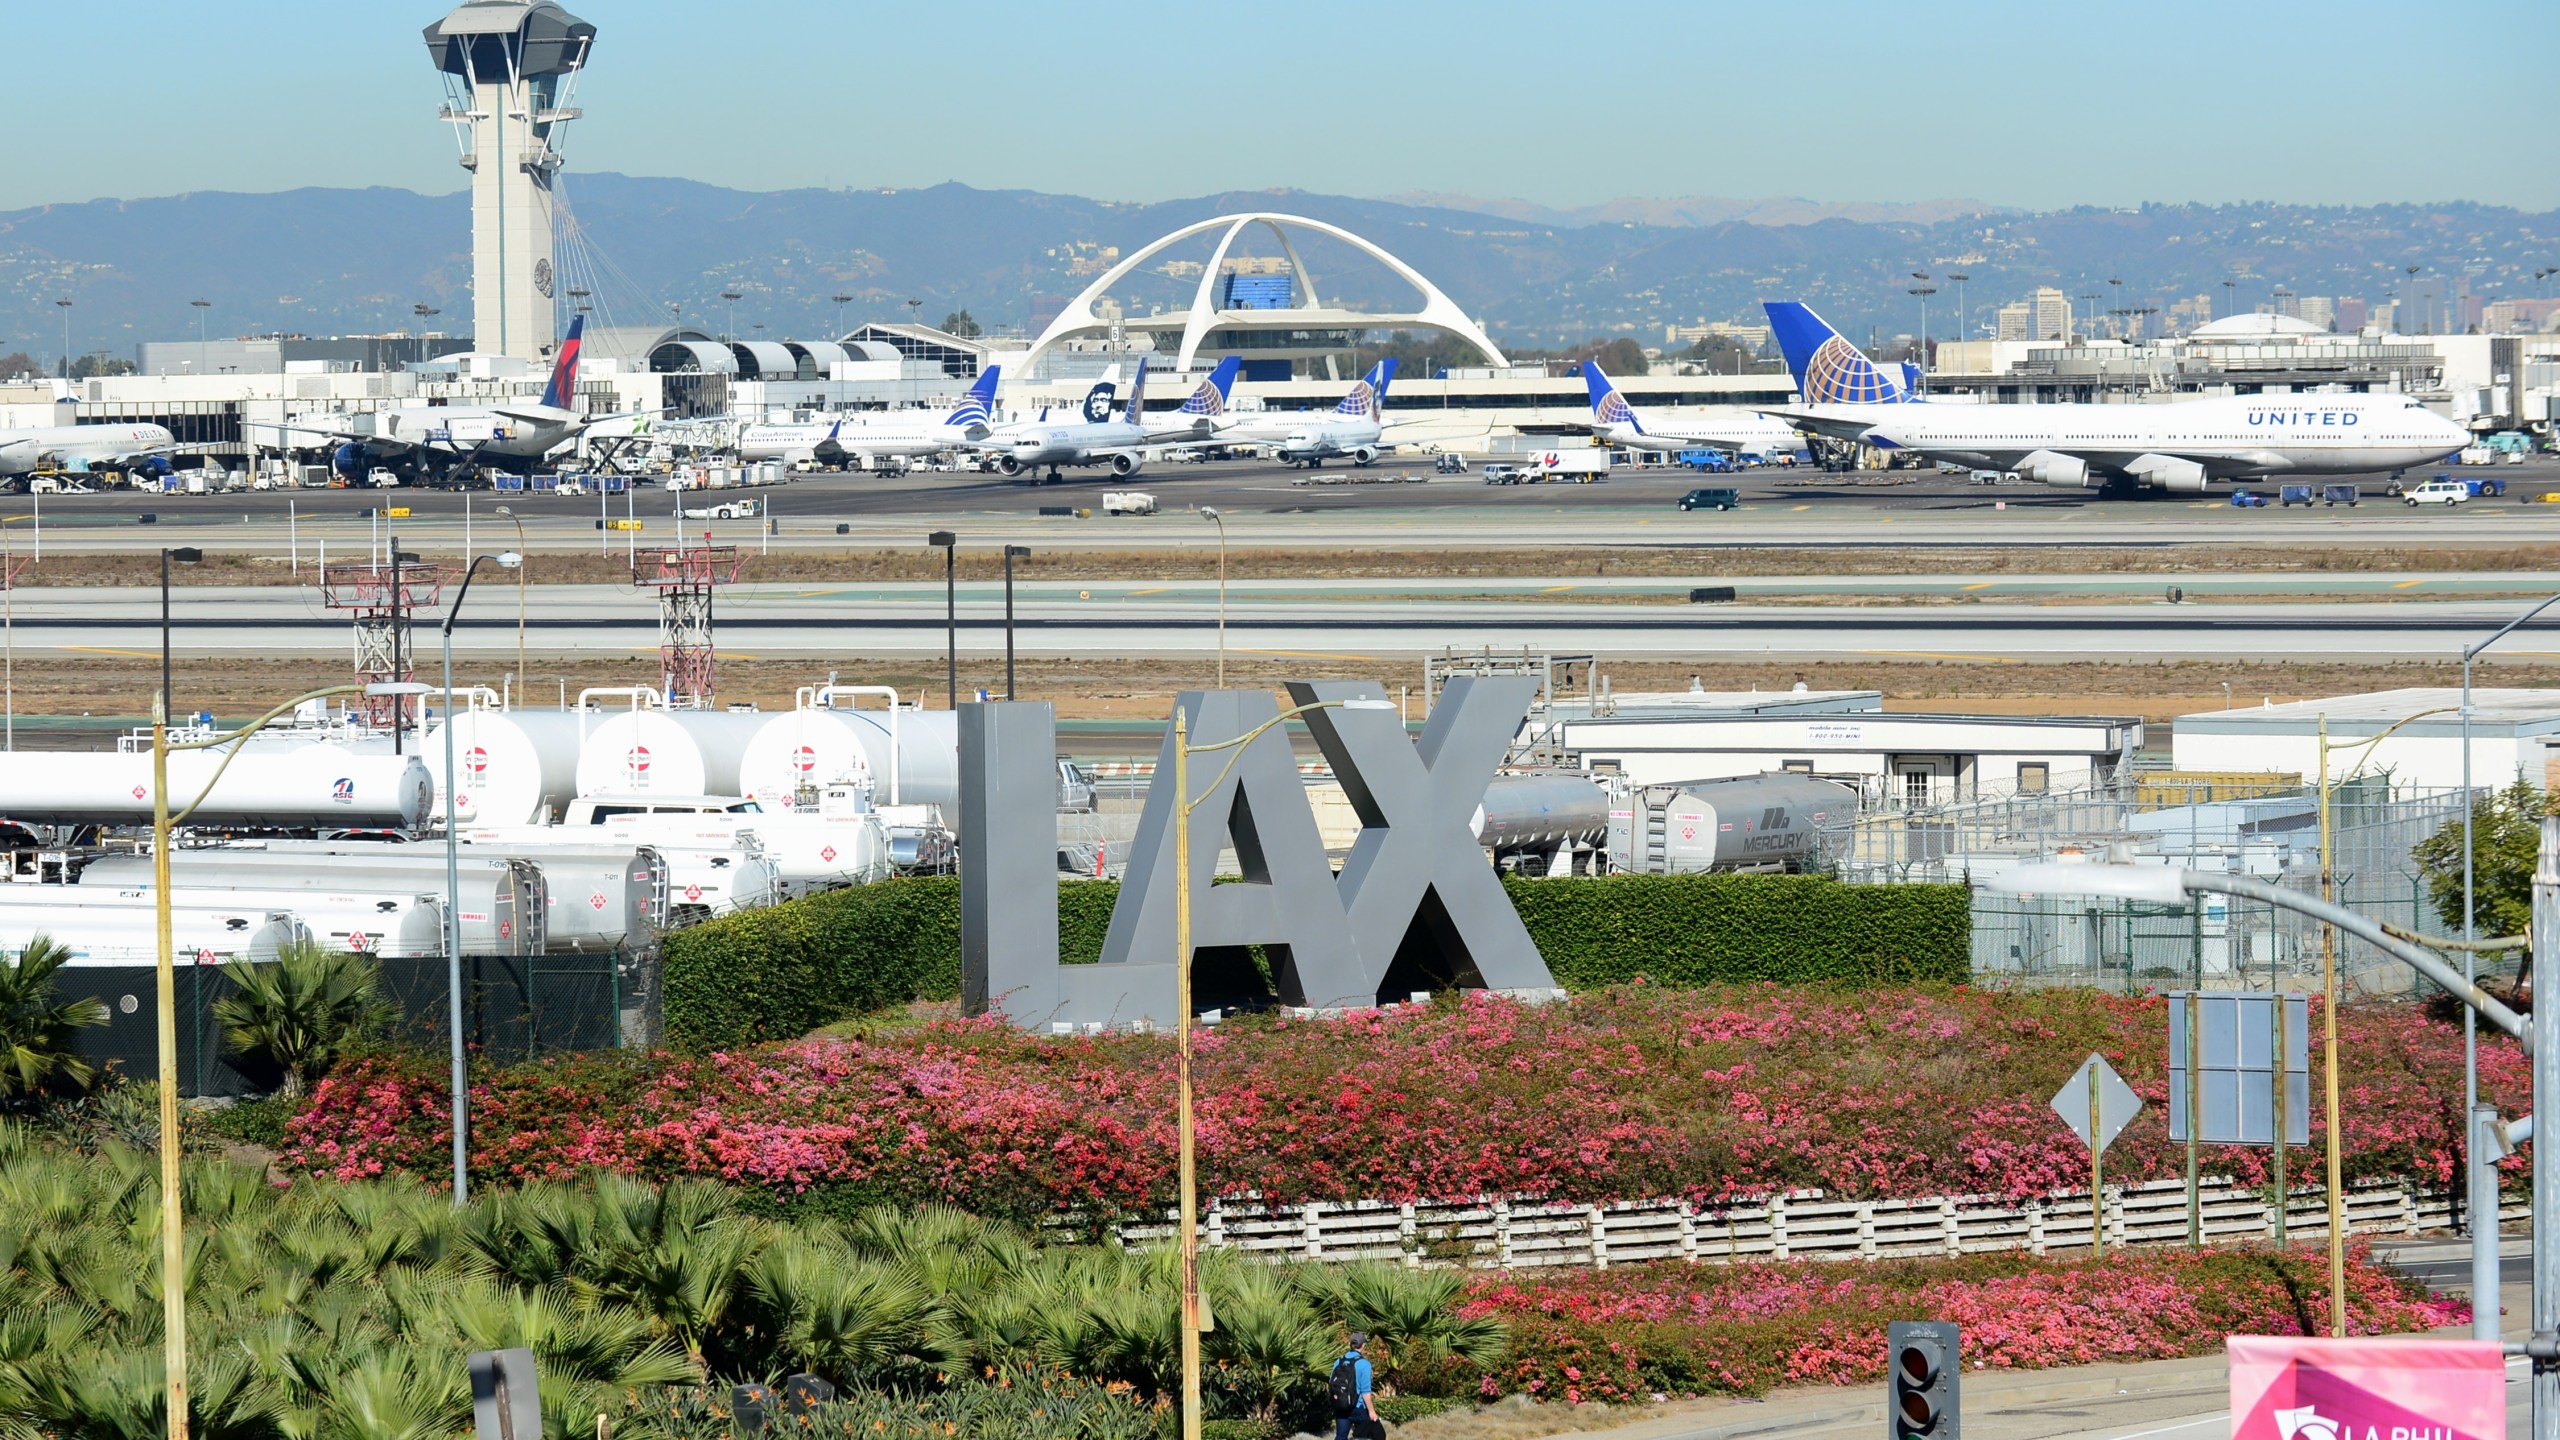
column 2482, row 486
column 1581, row 467
column 1713, row 461
column 2438, row 492
column 430, row 442
column 134, row 449
column 1726, row 429
column 2347, row 495
column 1501, row 474
column 1447, row 464
column 1128, row 502
column 2291, row 495
column 2248, row 500
column 1099, row 439
column 742, row 509
column 1711, row 499
column 861, row 442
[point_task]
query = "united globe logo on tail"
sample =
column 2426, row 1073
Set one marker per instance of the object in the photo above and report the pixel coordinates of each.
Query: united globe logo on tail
column 1368, row 394
column 1210, row 398
column 1839, row 375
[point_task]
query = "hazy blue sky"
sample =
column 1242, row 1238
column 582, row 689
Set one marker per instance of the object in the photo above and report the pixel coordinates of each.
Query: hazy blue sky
column 2033, row 104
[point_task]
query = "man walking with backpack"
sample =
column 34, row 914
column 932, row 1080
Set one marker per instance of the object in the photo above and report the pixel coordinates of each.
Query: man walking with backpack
column 1355, row 1409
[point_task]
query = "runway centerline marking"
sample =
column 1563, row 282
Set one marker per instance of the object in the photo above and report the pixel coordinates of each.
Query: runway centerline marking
column 154, row 654
column 1939, row 655
column 1162, row 589
column 1308, row 655
column 1985, row 585
column 1558, row 589
column 2408, row 584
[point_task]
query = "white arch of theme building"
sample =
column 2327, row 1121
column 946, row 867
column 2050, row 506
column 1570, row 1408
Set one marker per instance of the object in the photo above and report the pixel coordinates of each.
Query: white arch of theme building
column 1438, row 311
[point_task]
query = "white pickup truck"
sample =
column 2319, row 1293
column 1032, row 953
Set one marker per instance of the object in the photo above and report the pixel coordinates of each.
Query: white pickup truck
column 1128, row 502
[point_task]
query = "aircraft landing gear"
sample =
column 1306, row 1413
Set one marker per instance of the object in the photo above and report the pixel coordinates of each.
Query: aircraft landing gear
column 1054, row 476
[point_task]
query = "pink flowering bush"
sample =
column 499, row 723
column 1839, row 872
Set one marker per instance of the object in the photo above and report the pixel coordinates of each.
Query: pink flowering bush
column 1633, row 1092
column 1628, row 1333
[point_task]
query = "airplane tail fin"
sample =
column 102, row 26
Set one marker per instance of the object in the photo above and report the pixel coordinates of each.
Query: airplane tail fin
column 1098, row 400
column 563, row 389
column 1828, row 369
column 1910, row 378
column 1211, row 398
column 978, row 405
column 1608, row 407
column 1369, row 393
column 1136, row 414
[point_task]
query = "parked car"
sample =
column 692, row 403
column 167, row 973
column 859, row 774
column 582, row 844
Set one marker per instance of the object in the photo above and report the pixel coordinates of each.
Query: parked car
column 1711, row 499
column 2248, row 500
column 2439, row 491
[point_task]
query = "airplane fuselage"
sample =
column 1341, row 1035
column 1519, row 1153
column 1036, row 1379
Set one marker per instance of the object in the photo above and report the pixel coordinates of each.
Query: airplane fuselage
column 1115, row 443
column 22, row 451
column 1331, row 438
column 830, row 441
column 1724, row 429
column 2180, row 444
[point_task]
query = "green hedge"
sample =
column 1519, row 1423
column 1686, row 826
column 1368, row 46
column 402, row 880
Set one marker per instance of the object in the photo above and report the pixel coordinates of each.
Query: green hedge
column 786, row 970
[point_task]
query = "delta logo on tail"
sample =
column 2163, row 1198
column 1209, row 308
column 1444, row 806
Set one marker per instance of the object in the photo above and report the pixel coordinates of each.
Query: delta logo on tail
column 563, row 389
column 974, row 407
column 1828, row 369
column 1368, row 395
column 1608, row 407
column 1211, row 398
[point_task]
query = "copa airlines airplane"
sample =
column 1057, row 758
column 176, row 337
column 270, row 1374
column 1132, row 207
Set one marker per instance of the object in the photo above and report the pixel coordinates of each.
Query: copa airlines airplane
column 1720, row 427
column 862, row 439
column 133, row 448
column 1121, row 443
column 2181, row 445
column 428, row 441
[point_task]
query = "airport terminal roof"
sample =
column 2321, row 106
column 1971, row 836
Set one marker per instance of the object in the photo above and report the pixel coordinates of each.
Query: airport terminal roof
column 2255, row 327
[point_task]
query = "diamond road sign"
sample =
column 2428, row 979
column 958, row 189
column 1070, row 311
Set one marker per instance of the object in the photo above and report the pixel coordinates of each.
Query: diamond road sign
column 2117, row 1104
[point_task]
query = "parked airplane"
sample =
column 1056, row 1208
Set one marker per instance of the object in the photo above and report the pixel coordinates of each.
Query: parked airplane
column 2182, row 445
column 1721, row 427
column 429, row 441
column 1120, row 443
column 859, row 439
column 136, row 449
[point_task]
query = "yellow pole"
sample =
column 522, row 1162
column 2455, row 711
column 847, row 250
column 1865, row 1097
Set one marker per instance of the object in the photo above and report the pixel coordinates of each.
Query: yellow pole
column 173, row 1280
column 2097, row 1171
column 2329, row 1063
column 1182, row 1076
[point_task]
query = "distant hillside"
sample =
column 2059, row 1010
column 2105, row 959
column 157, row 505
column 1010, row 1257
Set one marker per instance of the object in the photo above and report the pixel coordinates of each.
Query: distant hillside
column 325, row 261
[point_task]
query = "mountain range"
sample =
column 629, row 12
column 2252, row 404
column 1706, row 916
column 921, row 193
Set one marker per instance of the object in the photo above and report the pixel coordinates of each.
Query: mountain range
column 328, row 261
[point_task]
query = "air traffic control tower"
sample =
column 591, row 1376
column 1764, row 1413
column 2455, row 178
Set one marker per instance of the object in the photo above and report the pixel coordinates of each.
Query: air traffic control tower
column 509, row 66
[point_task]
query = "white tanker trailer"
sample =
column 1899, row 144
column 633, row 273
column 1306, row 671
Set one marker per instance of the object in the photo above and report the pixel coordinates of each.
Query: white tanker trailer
column 502, row 901
column 307, row 787
column 106, row 927
column 1752, row 822
column 903, row 755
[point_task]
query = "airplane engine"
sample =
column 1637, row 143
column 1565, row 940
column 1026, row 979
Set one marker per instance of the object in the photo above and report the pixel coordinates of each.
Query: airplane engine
column 1364, row 454
column 2047, row 468
column 350, row 460
column 2168, row 472
column 1009, row 465
column 17, row 457
column 1124, row 465
column 155, row 466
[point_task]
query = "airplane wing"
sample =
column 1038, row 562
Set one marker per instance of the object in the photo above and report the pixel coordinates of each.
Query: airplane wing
column 1813, row 422
column 384, row 443
column 1195, row 427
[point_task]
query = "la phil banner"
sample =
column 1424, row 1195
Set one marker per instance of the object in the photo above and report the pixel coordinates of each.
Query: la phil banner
column 2294, row 1388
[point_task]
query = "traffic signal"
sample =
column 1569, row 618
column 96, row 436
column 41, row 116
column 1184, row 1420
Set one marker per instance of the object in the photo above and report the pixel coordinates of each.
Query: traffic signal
column 1924, row 1359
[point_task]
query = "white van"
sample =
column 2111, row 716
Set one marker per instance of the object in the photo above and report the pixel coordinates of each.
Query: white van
column 2439, row 492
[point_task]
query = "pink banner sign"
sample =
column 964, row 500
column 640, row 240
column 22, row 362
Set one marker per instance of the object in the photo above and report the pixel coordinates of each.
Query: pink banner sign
column 2294, row 1388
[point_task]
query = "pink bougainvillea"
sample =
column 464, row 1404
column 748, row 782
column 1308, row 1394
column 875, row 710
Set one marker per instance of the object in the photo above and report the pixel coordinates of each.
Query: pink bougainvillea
column 1632, row 1332
column 1637, row 1092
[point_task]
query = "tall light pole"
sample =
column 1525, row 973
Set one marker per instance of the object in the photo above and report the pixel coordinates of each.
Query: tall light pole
column 2092, row 297
column 841, row 300
column 508, row 513
column 2230, row 297
column 65, row 303
column 1011, row 554
column 2470, row 929
column 203, row 360
column 2426, row 321
column 732, row 325
column 1924, row 290
column 2329, row 1013
column 1964, row 317
column 2115, row 294
column 1195, row 1317
column 453, row 896
column 949, row 544
column 1210, row 514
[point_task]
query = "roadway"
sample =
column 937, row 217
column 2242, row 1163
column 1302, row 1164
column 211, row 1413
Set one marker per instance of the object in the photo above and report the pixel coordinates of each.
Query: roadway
column 1349, row 620
column 1264, row 505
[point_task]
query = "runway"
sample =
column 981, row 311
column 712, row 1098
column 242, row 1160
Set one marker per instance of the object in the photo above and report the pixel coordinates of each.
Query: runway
column 1140, row 621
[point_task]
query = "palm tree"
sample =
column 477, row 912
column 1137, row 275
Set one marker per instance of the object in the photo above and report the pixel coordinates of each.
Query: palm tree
column 302, row 1010
column 35, row 1027
column 1411, row 1317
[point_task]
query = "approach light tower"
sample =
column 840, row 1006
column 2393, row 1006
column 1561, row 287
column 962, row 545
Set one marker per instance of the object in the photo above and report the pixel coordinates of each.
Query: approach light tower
column 509, row 67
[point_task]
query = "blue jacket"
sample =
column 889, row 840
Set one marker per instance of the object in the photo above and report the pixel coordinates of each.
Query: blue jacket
column 1359, row 1371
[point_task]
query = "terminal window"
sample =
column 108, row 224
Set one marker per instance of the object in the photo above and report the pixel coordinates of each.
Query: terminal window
column 2034, row 777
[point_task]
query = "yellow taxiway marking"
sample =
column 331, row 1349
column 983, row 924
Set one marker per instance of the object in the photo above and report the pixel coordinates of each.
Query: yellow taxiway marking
column 1808, row 507
column 1938, row 655
column 1558, row 589
column 2408, row 584
column 1980, row 585
column 729, row 655
column 1159, row 590
column 1320, row 655
column 154, row 654
column 1887, row 520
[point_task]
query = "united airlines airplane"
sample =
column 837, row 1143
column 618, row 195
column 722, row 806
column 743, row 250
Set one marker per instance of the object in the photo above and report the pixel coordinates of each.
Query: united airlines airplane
column 1720, row 427
column 2182, row 445
column 918, row 433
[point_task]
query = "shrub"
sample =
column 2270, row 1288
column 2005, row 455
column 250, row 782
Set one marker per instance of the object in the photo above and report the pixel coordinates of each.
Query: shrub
column 36, row 1026
column 257, row 1122
column 781, row 972
column 302, row 1010
column 1637, row 1092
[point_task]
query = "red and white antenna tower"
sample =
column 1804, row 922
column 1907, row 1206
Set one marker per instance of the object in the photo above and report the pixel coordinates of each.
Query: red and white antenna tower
column 685, row 579
column 385, row 601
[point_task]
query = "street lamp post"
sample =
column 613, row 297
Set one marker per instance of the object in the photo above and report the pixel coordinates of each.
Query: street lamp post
column 2329, row 1015
column 1964, row 317
column 453, row 892
column 65, row 303
column 841, row 300
column 1195, row 1317
column 1210, row 514
column 2470, row 928
column 949, row 544
column 1924, row 290
column 1011, row 554
column 507, row 513
column 203, row 360
column 732, row 326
